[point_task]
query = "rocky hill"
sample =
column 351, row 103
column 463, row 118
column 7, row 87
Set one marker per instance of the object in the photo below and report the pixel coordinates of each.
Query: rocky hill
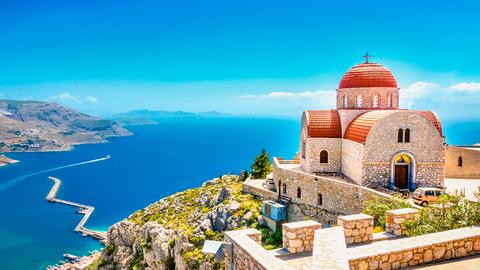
column 44, row 126
column 170, row 233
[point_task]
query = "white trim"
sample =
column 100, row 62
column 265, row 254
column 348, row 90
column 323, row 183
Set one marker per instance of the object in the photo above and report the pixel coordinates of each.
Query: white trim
column 411, row 169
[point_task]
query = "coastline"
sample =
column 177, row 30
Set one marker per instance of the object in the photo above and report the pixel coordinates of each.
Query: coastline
column 4, row 160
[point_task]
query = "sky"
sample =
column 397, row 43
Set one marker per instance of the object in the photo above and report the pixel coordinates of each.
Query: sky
column 271, row 58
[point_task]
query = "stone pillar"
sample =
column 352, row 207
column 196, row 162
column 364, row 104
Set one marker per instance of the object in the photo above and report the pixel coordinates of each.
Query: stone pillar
column 394, row 219
column 358, row 228
column 298, row 236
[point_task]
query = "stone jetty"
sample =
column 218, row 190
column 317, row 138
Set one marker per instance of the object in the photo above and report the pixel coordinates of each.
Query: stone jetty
column 86, row 210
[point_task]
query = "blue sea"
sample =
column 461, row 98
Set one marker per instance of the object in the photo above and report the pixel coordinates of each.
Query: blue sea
column 157, row 161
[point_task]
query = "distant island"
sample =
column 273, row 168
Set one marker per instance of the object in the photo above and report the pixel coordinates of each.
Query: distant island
column 143, row 117
column 30, row 126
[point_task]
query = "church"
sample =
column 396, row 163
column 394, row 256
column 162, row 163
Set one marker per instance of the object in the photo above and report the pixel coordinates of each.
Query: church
column 368, row 139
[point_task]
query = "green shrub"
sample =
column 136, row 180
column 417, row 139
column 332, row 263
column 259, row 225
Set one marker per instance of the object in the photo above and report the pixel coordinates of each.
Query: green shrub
column 376, row 207
column 450, row 212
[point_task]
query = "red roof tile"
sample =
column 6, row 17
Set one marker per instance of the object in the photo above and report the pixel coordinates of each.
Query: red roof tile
column 360, row 126
column 323, row 124
column 368, row 75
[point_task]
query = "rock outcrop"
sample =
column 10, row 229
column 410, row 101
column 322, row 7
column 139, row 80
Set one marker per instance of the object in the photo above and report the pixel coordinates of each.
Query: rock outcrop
column 170, row 233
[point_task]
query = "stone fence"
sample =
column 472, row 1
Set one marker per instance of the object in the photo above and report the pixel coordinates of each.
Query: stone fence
column 357, row 228
column 412, row 251
column 394, row 219
column 298, row 236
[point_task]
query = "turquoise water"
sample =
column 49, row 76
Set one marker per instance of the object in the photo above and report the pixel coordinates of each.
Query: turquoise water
column 159, row 160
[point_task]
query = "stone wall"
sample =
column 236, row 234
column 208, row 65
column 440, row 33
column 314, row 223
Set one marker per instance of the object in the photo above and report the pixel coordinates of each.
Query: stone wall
column 425, row 146
column 357, row 228
column 352, row 155
column 413, row 251
column 338, row 196
column 247, row 254
column 470, row 162
column 367, row 94
column 259, row 192
column 298, row 236
column 312, row 154
column 394, row 220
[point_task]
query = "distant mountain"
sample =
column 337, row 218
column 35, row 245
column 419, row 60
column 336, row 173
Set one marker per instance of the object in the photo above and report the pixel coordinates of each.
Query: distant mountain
column 161, row 114
column 45, row 126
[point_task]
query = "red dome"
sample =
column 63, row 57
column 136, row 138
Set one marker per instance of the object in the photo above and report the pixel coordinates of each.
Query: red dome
column 368, row 75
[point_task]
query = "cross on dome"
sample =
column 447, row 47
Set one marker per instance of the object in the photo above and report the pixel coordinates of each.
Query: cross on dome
column 366, row 56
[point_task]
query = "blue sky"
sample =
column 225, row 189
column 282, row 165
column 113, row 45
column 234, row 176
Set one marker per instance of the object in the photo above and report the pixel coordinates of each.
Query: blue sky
column 245, row 57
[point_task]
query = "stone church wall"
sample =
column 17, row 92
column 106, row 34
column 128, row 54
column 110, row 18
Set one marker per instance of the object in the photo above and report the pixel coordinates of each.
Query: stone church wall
column 367, row 95
column 470, row 162
column 312, row 156
column 337, row 196
column 426, row 147
column 352, row 153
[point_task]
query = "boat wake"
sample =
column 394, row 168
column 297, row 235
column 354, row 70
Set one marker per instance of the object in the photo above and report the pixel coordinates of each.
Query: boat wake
column 11, row 183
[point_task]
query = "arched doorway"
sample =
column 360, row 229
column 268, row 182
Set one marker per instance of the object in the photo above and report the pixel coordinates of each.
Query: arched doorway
column 403, row 172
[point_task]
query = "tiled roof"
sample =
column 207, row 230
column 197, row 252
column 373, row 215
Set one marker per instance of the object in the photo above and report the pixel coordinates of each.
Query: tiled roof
column 360, row 126
column 368, row 75
column 323, row 124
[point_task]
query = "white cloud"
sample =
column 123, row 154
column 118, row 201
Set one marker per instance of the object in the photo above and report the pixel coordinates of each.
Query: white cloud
column 290, row 103
column 415, row 91
column 469, row 87
column 66, row 97
column 90, row 99
column 306, row 95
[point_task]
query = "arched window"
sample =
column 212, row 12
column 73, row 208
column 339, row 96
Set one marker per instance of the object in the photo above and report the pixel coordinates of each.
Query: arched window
column 323, row 156
column 460, row 161
column 299, row 193
column 320, row 199
column 400, row 135
column 389, row 101
column 359, row 101
column 407, row 135
column 345, row 101
column 375, row 101
column 284, row 188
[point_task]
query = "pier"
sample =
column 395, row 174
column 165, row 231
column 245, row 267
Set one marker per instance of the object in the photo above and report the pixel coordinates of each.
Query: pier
column 86, row 210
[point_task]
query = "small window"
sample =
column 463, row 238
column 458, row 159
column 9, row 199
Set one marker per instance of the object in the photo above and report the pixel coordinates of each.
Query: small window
column 359, row 101
column 299, row 193
column 429, row 193
column 324, row 156
column 389, row 101
column 375, row 101
column 284, row 188
column 460, row 161
column 345, row 101
column 400, row 135
column 320, row 199
column 303, row 149
column 407, row 135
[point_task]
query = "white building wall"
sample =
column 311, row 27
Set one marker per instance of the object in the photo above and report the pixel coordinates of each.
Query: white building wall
column 352, row 153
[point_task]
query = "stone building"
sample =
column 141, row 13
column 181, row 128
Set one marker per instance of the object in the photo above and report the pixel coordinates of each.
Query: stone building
column 462, row 162
column 368, row 139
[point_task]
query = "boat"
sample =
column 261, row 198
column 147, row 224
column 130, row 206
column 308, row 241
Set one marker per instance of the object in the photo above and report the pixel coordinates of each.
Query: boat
column 108, row 157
